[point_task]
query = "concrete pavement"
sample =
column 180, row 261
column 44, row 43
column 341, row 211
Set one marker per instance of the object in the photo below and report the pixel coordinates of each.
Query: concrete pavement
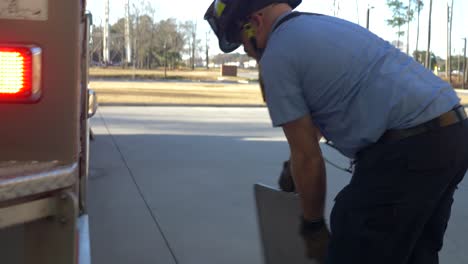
column 174, row 185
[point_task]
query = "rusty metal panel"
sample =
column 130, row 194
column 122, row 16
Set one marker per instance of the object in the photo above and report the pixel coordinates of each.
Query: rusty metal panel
column 279, row 218
column 47, row 130
column 49, row 240
column 27, row 212
column 54, row 240
column 24, row 9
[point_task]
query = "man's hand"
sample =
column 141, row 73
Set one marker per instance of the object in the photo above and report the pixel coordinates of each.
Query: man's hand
column 285, row 181
column 316, row 237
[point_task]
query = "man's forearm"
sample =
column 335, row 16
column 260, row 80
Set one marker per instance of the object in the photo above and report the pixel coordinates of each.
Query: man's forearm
column 310, row 179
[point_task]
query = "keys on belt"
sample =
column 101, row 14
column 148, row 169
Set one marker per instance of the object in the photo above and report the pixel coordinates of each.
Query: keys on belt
column 452, row 117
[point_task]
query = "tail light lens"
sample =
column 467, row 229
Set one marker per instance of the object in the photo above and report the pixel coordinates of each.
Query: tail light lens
column 20, row 73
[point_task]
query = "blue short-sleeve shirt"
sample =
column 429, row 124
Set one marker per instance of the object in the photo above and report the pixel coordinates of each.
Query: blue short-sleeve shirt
column 354, row 84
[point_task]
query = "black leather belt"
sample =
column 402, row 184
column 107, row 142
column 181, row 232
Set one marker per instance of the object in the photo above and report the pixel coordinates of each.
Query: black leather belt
column 452, row 117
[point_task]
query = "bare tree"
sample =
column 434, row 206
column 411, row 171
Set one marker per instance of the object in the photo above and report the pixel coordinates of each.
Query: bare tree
column 336, row 7
column 96, row 45
column 117, row 44
column 410, row 11
column 190, row 29
column 135, row 19
column 409, row 17
column 399, row 17
column 207, row 48
column 154, row 44
column 143, row 33
column 169, row 43
column 465, row 71
column 420, row 5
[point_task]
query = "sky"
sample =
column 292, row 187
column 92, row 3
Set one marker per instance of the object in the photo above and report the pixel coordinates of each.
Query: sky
column 352, row 10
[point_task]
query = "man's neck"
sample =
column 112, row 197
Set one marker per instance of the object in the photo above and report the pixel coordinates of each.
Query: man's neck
column 276, row 11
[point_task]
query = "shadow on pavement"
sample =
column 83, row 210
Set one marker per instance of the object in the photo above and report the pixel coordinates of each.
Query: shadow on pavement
column 189, row 198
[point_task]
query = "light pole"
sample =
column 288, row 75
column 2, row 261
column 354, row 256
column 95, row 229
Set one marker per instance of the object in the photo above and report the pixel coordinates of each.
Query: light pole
column 408, row 30
column 428, row 51
column 207, row 52
column 165, row 59
column 448, row 62
column 465, row 70
column 128, row 41
column 368, row 16
column 106, row 38
column 459, row 67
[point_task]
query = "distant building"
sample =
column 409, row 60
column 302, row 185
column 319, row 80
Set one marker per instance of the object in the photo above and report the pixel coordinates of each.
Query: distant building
column 250, row 64
column 236, row 63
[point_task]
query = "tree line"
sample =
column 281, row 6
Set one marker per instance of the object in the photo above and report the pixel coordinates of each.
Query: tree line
column 153, row 44
column 166, row 43
column 174, row 44
column 404, row 12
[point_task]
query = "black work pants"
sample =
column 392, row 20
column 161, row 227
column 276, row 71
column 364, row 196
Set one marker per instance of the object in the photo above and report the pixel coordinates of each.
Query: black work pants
column 397, row 206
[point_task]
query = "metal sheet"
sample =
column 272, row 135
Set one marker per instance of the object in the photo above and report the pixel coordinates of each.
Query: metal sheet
column 53, row 240
column 27, row 212
column 279, row 218
column 27, row 179
column 24, row 9
column 12, row 169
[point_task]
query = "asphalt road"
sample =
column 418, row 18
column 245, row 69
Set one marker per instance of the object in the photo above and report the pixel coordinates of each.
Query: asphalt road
column 175, row 185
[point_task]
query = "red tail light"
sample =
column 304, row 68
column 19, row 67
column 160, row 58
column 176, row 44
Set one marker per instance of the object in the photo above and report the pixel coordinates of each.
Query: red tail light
column 20, row 73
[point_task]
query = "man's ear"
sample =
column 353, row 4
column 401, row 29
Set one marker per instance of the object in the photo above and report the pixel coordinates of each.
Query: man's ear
column 257, row 21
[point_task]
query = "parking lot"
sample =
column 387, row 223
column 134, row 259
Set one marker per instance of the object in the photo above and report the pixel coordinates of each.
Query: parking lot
column 175, row 185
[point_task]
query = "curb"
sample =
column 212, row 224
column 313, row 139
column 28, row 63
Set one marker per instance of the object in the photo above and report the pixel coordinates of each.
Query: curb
column 182, row 105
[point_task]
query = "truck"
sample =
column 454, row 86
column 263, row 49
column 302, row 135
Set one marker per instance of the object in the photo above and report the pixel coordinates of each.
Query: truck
column 45, row 106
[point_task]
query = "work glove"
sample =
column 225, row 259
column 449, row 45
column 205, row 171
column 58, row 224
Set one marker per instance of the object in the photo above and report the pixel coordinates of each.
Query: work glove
column 285, row 181
column 316, row 237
